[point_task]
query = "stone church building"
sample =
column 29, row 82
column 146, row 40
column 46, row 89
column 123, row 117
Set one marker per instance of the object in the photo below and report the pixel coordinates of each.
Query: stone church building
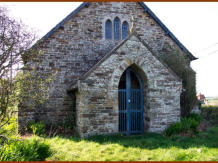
column 110, row 76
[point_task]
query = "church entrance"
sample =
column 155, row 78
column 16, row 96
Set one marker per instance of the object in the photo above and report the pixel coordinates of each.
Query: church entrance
column 130, row 103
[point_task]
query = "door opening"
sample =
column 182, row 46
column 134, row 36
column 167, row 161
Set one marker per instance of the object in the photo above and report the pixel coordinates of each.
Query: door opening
column 130, row 103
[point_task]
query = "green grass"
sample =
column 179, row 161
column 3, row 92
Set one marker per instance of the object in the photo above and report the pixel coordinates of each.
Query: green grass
column 150, row 146
column 212, row 101
column 24, row 150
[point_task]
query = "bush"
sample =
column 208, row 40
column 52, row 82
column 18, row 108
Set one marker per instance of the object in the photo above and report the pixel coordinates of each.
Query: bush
column 189, row 124
column 210, row 114
column 36, row 128
column 173, row 129
column 186, row 125
column 10, row 129
column 25, row 150
column 180, row 64
column 196, row 117
column 65, row 128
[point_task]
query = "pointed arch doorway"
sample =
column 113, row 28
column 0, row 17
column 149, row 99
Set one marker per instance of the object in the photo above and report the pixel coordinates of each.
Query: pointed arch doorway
column 130, row 99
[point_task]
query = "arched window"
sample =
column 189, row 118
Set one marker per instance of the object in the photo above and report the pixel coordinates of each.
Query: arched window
column 117, row 28
column 125, row 30
column 108, row 29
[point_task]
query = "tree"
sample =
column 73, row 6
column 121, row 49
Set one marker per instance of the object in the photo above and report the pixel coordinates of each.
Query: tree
column 14, row 42
column 180, row 64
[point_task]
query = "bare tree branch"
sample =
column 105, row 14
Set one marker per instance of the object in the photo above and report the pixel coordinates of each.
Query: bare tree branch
column 15, row 40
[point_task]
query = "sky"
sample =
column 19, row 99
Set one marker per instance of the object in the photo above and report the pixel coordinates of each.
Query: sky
column 193, row 23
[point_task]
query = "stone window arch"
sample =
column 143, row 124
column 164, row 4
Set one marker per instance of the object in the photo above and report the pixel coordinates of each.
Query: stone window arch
column 125, row 29
column 116, row 28
column 108, row 29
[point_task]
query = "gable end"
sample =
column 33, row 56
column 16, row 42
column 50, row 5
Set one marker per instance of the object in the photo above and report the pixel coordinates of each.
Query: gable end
column 86, row 74
column 146, row 9
column 167, row 31
column 59, row 25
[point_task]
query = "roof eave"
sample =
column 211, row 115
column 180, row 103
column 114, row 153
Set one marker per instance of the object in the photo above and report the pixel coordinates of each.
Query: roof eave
column 65, row 20
column 167, row 31
column 60, row 24
column 146, row 8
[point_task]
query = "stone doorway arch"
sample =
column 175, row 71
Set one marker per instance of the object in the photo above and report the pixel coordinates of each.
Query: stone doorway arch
column 130, row 102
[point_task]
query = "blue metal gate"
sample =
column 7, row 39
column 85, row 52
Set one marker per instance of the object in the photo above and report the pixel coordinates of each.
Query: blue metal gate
column 131, row 104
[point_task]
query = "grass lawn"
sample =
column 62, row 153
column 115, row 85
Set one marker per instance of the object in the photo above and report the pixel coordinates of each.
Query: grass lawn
column 212, row 102
column 150, row 146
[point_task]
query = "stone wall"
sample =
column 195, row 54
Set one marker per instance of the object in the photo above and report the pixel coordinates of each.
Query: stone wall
column 97, row 97
column 75, row 48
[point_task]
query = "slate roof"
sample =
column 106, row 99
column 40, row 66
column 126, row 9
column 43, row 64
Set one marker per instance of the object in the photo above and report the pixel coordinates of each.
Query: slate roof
column 146, row 9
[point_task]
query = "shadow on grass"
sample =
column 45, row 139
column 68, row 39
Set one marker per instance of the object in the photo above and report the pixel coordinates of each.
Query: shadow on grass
column 207, row 138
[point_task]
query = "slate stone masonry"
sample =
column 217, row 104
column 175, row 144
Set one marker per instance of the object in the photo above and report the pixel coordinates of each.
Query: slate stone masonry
column 76, row 47
column 97, row 105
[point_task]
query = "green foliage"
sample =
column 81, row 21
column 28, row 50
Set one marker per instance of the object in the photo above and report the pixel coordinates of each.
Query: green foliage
column 173, row 129
column 210, row 114
column 13, row 149
column 8, row 101
column 33, row 88
column 146, row 147
column 28, row 89
column 66, row 128
column 196, row 117
column 36, row 128
column 179, row 63
column 24, row 150
column 70, row 122
column 10, row 129
column 187, row 125
column 15, row 40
